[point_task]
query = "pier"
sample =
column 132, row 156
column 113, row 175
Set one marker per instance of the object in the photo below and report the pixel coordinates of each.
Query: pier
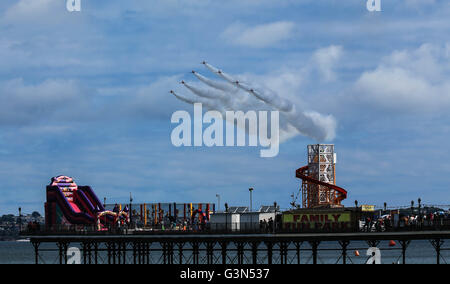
column 224, row 248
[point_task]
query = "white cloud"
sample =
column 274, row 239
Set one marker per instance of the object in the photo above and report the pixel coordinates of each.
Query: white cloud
column 26, row 103
column 154, row 100
column 408, row 81
column 325, row 60
column 264, row 35
column 26, row 10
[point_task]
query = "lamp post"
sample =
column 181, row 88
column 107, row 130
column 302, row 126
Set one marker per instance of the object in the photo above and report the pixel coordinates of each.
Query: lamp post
column 104, row 202
column 356, row 203
column 412, row 208
column 275, row 218
column 218, row 201
column 251, row 209
column 226, row 217
column 419, row 201
column 130, row 211
column 250, row 190
column 385, row 207
column 20, row 219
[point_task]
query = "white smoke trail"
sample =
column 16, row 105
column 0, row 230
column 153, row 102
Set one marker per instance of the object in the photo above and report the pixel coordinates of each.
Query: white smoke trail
column 183, row 99
column 269, row 98
column 231, row 101
column 210, row 104
column 211, row 94
column 222, row 74
column 226, row 96
column 308, row 123
column 286, row 131
column 215, row 84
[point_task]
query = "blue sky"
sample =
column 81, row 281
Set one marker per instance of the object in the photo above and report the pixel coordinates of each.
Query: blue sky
column 86, row 95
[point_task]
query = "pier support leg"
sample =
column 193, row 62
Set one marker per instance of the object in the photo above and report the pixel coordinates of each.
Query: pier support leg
column 108, row 252
column 404, row 244
column 164, row 247
column 62, row 248
column 114, row 252
column 195, row 252
column 124, row 252
column 297, row 250
column 180, row 252
column 223, row 246
column 283, row 252
column 96, row 252
column 255, row 252
column 36, row 251
column 170, row 252
column 344, row 245
column 134, row 244
column 147, row 252
column 87, row 252
column 314, row 246
column 240, row 252
column 437, row 244
column 118, row 252
column 210, row 252
column 269, row 246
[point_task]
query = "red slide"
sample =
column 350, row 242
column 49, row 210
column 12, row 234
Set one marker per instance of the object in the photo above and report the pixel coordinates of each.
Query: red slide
column 302, row 174
column 74, row 206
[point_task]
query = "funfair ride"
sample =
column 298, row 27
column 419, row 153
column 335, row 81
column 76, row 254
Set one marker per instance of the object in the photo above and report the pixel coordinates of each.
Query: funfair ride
column 69, row 204
column 319, row 187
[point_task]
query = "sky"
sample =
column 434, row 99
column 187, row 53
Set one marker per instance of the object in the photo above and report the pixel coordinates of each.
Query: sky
column 86, row 94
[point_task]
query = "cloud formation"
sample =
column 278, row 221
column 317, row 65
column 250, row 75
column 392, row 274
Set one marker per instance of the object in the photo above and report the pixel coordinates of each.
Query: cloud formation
column 325, row 60
column 264, row 35
column 26, row 103
column 409, row 80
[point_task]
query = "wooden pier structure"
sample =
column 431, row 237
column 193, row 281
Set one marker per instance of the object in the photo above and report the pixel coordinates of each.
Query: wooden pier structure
column 220, row 248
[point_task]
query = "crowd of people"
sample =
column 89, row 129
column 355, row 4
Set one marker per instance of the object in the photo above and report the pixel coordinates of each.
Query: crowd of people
column 266, row 226
column 383, row 223
column 168, row 222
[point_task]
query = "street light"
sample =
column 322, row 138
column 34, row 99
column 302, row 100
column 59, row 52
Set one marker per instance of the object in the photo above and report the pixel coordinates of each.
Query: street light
column 250, row 190
column 130, row 211
column 412, row 207
column 251, row 209
column 226, row 217
column 275, row 205
column 218, row 202
column 20, row 219
column 419, row 201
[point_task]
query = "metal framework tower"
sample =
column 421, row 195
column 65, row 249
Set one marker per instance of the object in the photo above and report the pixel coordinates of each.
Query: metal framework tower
column 319, row 178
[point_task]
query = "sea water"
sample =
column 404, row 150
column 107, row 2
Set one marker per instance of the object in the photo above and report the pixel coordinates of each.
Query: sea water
column 418, row 252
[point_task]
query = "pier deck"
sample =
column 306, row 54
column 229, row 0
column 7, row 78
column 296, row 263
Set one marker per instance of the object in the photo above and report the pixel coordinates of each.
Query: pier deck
column 221, row 248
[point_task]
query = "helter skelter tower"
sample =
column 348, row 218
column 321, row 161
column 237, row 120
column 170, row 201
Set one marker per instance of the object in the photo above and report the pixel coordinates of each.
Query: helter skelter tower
column 319, row 187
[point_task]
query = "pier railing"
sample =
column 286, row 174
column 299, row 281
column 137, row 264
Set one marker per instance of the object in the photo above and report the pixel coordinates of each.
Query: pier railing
column 227, row 228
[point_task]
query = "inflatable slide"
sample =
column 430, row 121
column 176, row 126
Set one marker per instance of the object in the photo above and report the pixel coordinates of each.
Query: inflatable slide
column 70, row 204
